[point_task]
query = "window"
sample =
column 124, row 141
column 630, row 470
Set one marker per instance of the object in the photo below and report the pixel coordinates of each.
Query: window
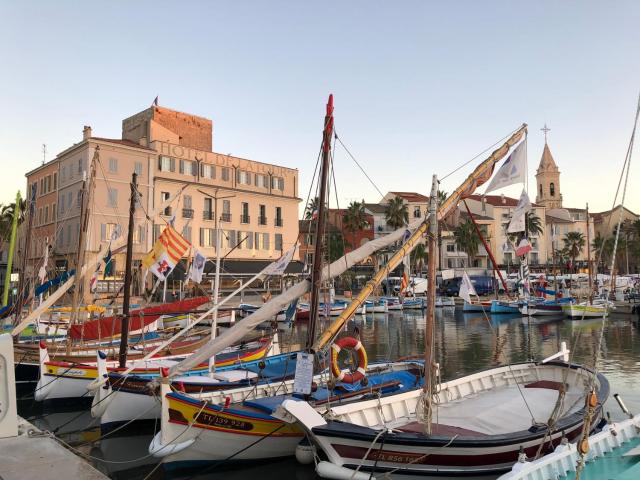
column 230, row 235
column 46, row 214
column 39, row 222
column 137, row 168
column 164, row 196
column 208, row 171
column 262, row 218
column 48, row 183
column 186, row 233
column 416, row 212
column 277, row 183
column 508, row 258
column 262, row 181
column 187, row 209
column 53, row 212
column 79, row 199
column 450, row 263
column 207, row 237
column 258, row 237
column 225, row 174
column 61, row 237
column 244, row 216
column 278, row 242
column 207, row 212
column 156, row 232
column 540, row 189
column 138, row 234
column 113, row 197
column 187, row 201
column 63, row 174
column 181, row 169
column 113, row 165
column 262, row 241
column 68, row 234
column 552, row 189
column 55, row 181
column 278, row 220
column 166, row 164
column 451, row 247
column 226, row 211
column 79, row 165
column 194, row 169
column 41, row 188
column 309, row 258
column 69, row 200
column 61, row 204
column 244, row 178
column 110, row 231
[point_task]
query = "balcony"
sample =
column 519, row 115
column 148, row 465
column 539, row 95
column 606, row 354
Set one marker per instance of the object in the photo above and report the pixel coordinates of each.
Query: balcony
column 244, row 218
column 277, row 222
column 206, row 215
column 225, row 217
column 262, row 220
column 187, row 213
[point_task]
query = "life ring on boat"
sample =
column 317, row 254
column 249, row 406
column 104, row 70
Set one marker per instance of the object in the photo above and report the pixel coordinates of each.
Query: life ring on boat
column 349, row 343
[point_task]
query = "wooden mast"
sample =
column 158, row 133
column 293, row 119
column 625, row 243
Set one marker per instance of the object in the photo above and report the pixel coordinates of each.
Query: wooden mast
column 124, row 334
column 589, row 257
column 320, row 225
column 431, row 298
column 25, row 254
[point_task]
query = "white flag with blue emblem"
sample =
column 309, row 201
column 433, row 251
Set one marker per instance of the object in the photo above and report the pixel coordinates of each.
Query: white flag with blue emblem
column 514, row 170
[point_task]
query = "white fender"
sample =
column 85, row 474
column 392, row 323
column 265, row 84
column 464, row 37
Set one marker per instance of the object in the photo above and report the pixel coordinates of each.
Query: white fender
column 102, row 396
column 336, row 472
column 159, row 450
column 43, row 386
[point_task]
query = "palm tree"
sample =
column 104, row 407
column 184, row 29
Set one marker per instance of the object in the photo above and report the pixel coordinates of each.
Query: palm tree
column 336, row 246
column 312, row 207
column 6, row 218
column 574, row 243
column 397, row 213
column 418, row 257
column 598, row 246
column 467, row 239
column 533, row 224
column 355, row 219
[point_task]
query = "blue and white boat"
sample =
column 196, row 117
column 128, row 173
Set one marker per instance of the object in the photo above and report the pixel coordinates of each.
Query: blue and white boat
column 499, row 306
column 393, row 303
column 413, row 303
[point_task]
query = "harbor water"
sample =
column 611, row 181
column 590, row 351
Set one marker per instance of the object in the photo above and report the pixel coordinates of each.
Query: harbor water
column 464, row 343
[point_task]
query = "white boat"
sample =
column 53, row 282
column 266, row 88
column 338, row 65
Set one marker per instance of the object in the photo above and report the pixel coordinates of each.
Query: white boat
column 413, row 303
column 597, row 309
column 445, row 302
column 481, row 424
column 379, row 306
column 613, row 453
column 393, row 303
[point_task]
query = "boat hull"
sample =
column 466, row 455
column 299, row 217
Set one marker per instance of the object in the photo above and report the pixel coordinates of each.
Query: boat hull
column 541, row 310
column 584, row 311
column 503, row 307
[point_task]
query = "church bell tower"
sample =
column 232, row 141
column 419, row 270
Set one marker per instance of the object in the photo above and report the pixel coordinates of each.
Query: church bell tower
column 548, row 178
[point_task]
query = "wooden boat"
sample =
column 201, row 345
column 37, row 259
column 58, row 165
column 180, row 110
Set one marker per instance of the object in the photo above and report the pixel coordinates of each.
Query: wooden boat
column 220, row 428
column 480, row 306
column 70, row 379
column 498, row 306
column 481, row 425
column 597, row 309
column 393, row 303
column 552, row 307
column 613, row 453
column 445, row 302
column 379, row 306
column 413, row 303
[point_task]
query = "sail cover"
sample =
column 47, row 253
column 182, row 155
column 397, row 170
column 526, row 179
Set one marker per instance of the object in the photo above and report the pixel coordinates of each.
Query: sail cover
column 270, row 309
column 138, row 319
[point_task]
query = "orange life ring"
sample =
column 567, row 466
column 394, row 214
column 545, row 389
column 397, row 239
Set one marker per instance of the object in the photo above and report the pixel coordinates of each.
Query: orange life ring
column 351, row 344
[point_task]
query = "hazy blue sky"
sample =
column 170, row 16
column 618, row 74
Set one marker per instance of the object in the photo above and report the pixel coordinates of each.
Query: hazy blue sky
column 420, row 87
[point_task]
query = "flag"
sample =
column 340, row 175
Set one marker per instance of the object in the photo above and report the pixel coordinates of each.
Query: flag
column 518, row 223
column 291, row 311
column 404, row 282
column 406, row 236
column 512, row 171
column 166, row 253
column 279, row 266
column 466, row 288
column 42, row 273
column 197, row 267
column 107, row 263
column 155, row 101
column 314, row 214
column 523, row 248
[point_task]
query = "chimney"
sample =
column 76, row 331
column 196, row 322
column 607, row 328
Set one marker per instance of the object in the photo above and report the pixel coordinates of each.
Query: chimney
column 504, row 200
column 86, row 132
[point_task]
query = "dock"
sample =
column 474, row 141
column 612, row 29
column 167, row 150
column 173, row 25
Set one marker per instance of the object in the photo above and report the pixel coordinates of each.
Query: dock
column 36, row 454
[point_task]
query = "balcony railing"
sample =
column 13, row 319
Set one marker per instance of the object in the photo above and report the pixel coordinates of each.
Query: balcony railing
column 262, row 220
column 187, row 213
column 244, row 218
column 206, row 215
column 225, row 217
column 277, row 222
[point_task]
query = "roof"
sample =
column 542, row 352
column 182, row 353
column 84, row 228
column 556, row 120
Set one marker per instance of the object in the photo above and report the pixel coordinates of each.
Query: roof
column 235, row 267
column 498, row 200
column 476, row 216
column 304, row 225
column 412, row 197
column 608, row 212
column 547, row 163
column 127, row 143
column 375, row 207
column 558, row 215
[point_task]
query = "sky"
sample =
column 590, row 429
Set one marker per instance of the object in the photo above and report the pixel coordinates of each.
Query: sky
column 420, row 87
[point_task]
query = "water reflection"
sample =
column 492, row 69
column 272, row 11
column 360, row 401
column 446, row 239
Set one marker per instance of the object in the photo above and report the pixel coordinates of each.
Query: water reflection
column 464, row 343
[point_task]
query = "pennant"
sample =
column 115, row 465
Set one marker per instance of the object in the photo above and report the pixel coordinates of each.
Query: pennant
column 404, row 283
column 197, row 267
column 512, row 171
column 523, row 248
column 166, row 253
column 466, row 288
column 279, row 266
column 518, row 223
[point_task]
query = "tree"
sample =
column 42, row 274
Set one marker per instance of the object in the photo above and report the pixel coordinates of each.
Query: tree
column 396, row 213
column 573, row 243
column 533, row 224
column 336, row 246
column 354, row 220
column 312, row 207
column 418, row 257
column 6, row 218
column 467, row 239
column 598, row 245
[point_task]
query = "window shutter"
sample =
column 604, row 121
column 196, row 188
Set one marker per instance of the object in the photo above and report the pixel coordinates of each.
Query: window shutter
column 194, row 169
column 173, row 164
column 232, row 238
column 281, row 183
column 265, row 240
column 213, row 171
column 249, row 241
column 202, row 237
column 160, row 163
column 181, row 166
column 103, row 231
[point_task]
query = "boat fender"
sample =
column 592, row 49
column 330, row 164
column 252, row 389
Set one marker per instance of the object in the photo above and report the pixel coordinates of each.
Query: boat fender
column 305, row 452
column 102, row 396
column 351, row 344
column 336, row 472
column 158, row 450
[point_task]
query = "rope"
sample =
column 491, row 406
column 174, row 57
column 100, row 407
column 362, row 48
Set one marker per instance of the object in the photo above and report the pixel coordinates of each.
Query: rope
column 356, row 162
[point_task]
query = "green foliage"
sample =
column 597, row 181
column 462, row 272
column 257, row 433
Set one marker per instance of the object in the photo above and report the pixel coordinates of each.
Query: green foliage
column 397, row 213
column 354, row 220
column 467, row 239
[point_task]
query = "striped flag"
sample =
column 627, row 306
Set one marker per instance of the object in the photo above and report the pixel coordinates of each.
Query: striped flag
column 166, row 253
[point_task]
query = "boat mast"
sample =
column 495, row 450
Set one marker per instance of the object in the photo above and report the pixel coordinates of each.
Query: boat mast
column 320, row 224
column 12, row 246
column 124, row 334
column 25, row 254
column 431, row 299
column 589, row 257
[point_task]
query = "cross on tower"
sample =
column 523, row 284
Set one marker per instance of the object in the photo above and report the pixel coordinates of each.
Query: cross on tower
column 545, row 129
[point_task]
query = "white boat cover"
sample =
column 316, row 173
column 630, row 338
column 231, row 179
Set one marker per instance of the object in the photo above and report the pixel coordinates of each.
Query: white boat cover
column 273, row 307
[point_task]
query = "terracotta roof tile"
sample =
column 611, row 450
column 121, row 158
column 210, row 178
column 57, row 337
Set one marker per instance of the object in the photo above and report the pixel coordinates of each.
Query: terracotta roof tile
column 412, row 197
